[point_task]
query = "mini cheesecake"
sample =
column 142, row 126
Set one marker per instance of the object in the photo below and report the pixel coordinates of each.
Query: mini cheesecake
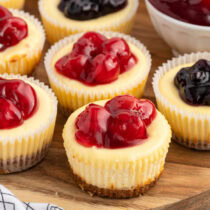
column 63, row 18
column 28, row 111
column 21, row 41
column 117, row 148
column 95, row 66
column 181, row 88
column 15, row 4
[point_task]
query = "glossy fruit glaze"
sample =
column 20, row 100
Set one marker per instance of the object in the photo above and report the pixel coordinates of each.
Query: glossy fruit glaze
column 191, row 11
column 193, row 83
column 90, row 9
column 122, row 122
column 18, row 102
column 12, row 29
column 96, row 59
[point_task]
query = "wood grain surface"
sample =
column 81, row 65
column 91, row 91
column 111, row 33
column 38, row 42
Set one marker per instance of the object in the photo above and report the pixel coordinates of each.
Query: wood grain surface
column 197, row 202
column 187, row 172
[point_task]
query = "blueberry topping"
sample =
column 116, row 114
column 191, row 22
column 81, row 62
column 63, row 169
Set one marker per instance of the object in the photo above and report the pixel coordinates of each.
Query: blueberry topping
column 90, row 9
column 194, row 83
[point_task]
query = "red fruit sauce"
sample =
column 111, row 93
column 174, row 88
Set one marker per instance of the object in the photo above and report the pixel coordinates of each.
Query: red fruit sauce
column 4, row 13
column 96, row 59
column 122, row 122
column 12, row 29
column 191, row 11
column 18, row 102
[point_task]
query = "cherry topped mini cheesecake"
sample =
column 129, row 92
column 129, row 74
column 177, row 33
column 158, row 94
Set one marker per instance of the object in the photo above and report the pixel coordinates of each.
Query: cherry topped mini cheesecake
column 96, row 60
column 21, row 41
column 24, row 139
column 63, row 18
column 117, row 148
column 182, row 91
column 15, row 4
column 95, row 66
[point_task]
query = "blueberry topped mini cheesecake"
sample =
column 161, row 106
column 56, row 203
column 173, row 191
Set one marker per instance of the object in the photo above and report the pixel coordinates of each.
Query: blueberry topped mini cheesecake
column 117, row 148
column 66, row 17
column 21, row 41
column 95, row 66
column 24, row 139
column 182, row 91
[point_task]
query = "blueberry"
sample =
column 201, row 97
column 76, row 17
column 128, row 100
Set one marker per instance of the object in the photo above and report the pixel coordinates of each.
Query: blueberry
column 116, row 3
column 62, row 5
column 194, row 83
column 89, row 9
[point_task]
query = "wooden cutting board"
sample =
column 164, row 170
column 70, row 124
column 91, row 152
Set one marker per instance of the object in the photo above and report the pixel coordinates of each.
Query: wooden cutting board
column 187, row 172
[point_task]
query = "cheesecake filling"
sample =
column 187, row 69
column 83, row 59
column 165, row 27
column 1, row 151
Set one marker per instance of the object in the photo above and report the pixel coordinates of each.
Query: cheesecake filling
column 12, row 29
column 121, row 123
column 90, row 9
column 193, row 83
column 95, row 59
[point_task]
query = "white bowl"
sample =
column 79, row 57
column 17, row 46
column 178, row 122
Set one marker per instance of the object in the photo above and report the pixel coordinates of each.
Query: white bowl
column 180, row 36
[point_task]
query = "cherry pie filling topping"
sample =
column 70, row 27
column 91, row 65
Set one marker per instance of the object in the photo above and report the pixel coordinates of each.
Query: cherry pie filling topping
column 12, row 29
column 18, row 102
column 96, row 59
column 121, row 123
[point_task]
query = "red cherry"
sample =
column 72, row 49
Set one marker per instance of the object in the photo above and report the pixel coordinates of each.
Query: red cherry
column 92, row 125
column 117, row 46
column 95, row 38
column 127, row 62
column 4, row 13
column 144, row 108
column 90, row 44
column 72, row 67
column 106, row 68
column 147, row 111
column 12, row 31
column 122, row 103
column 125, row 127
column 21, row 94
column 206, row 3
column 10, row 116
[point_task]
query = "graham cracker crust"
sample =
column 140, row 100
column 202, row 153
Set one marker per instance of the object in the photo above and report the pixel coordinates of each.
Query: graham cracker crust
column 22, row 163
column 197, row 146
column 109, row 193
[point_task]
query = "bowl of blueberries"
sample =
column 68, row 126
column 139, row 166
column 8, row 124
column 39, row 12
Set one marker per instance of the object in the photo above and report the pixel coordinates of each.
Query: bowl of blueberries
column 183, row 24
